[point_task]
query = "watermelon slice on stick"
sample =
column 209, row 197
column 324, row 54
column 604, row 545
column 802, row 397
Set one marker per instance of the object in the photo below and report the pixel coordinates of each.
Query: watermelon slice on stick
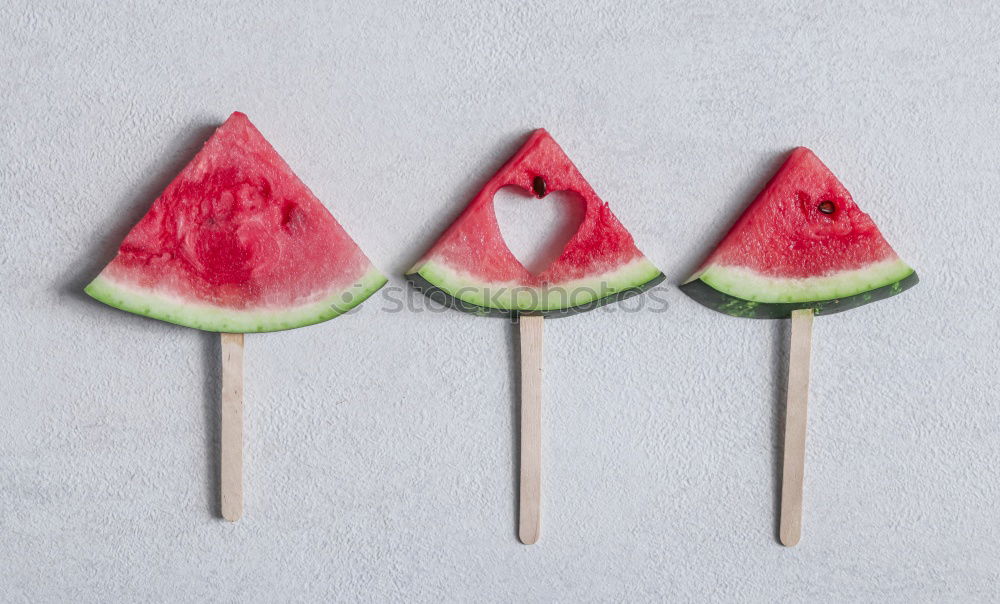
column 471, row 268
column 236, row 243
column 803, row 248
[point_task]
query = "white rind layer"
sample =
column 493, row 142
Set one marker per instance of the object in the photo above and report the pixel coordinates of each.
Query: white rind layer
column 504, row 295
column 174, row 309
column 747, row 284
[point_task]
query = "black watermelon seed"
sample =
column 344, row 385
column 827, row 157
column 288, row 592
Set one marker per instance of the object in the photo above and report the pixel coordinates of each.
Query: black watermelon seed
column 539, row 186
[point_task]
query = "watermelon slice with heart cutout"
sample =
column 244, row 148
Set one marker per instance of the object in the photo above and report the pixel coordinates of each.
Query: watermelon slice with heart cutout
column 801, row 244
column 237, row 243
column 471, row 268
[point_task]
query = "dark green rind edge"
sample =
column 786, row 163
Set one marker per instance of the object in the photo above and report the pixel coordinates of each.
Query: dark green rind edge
column 444, row 298
column 333, row 311
column 738, row 307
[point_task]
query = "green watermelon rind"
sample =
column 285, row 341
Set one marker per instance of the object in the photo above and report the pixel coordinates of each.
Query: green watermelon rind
column 824, row 295
column 214, row 318
column 455, row 289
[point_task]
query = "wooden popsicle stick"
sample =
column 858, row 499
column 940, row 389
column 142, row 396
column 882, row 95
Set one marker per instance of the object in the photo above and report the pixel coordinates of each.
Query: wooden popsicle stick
column 529, row 507
column 793, row 466
column 231, row 474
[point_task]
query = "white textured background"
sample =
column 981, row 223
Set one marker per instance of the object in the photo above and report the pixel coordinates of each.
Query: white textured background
column 380, row 459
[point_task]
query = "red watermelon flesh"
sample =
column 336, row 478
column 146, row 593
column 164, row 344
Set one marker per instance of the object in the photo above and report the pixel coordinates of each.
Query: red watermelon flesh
column 472, row 268
column 237, row 243
column 803, row 241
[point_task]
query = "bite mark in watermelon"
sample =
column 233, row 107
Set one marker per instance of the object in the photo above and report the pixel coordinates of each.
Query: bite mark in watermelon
column 471, row 268
column 802, row 243
column 237, row 243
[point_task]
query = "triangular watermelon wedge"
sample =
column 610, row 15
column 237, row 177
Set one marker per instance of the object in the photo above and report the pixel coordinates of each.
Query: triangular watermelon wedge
column 237, row 243
column 471, row 268
column 802, row 243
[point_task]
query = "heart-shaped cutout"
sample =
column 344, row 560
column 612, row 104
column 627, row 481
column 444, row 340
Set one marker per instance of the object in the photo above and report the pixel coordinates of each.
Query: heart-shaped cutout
column 537, row 230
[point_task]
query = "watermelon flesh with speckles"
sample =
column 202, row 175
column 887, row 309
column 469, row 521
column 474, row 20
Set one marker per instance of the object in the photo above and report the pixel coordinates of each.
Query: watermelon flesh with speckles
column 237, row 243
column 802, row 244
column 471, row 268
